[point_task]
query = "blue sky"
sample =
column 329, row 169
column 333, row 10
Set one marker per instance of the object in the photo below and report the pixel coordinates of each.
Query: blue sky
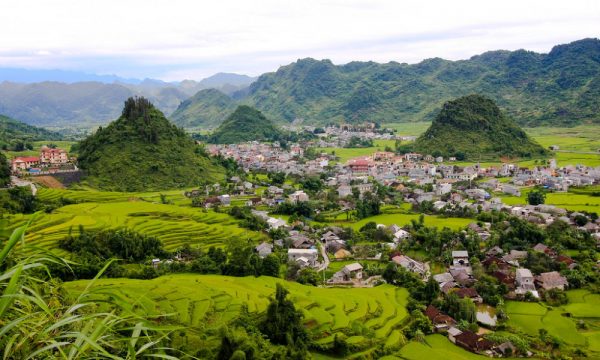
column 176, row 39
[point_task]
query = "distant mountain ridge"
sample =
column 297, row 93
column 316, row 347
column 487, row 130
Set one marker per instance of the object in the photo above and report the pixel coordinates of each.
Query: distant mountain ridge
column 561, row 87
column 92, row 103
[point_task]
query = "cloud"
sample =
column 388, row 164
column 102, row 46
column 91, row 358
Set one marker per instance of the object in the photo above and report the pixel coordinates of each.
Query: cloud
column 176, row 39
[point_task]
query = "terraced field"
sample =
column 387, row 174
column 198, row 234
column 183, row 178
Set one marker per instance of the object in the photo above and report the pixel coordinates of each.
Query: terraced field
column 173, row 225
column 368, row 315
column 561, row 321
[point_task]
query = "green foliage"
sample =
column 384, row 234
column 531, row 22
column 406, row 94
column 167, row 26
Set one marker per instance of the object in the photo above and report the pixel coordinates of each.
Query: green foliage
column 283, row 323
column 368, row 206
column 556, row 88
column 18, row 199
column 39, row 320
column 17, row 136
column 473, row 127
column 207, row 108
column 536, row 197
column 245, row 124
column 4, row 171
column 143, row 151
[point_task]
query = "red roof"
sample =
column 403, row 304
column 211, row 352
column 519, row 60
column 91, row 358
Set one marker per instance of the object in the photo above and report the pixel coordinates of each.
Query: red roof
column 27, row 159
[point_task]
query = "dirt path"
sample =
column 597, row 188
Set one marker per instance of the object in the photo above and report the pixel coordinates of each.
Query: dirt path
column 49, row 181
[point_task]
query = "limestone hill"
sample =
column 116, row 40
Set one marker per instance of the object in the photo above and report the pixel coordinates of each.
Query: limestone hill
column 474, row 127
column 141, row 151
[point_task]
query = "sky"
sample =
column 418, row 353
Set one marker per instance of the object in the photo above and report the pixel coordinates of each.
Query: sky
column 175, row 39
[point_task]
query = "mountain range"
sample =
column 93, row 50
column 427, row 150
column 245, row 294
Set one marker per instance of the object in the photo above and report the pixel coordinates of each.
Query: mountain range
column 57, row 104
column 560, row 88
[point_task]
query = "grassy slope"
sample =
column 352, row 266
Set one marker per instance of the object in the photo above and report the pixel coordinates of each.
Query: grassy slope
column 530, row 317
column 173, row 225
column 209, row 301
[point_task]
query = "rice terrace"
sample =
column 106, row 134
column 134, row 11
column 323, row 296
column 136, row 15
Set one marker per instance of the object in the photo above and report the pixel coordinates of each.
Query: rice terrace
column 242, row 180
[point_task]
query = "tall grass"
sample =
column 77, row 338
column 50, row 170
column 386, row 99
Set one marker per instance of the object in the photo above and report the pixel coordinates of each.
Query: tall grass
column 38, row 319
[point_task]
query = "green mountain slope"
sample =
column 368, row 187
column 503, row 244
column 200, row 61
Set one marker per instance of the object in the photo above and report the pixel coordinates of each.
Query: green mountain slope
column 207, row 108
column 561, row 87
column 474, row 127
column 13, row 131
column 245, row 124
column 142, row 150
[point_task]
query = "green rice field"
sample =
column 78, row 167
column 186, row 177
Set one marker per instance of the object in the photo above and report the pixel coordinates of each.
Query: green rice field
column 572, row 200
column 369, row 315
column 344, row 154
column 401, row 219
column 561, row 321
column 173, row 225
column 435, row 347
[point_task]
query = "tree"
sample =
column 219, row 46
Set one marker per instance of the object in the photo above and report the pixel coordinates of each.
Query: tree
column 283, row 323
column 270, row 265
column 4, row 171
column 308, row 276
column 536, row 197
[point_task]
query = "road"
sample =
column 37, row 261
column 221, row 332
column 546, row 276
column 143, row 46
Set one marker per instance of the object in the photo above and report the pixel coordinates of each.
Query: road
column 20, row 182
column 325, row 264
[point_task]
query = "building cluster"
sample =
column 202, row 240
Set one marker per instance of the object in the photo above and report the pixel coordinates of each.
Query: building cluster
column 49, row 158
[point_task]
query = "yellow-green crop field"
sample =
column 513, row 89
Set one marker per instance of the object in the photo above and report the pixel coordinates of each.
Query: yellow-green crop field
column 370, row 316
column 344, row 154
column 571, row 200
column 173, row 225
column 561, row 321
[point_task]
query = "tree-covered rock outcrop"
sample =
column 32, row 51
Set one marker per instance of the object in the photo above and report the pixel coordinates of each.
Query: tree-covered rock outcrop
column 142, row 150
column 474, row 127
column 245, row 124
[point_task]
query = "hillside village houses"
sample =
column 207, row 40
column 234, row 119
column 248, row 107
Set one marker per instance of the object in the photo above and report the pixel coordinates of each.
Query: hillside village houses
column 48, row 157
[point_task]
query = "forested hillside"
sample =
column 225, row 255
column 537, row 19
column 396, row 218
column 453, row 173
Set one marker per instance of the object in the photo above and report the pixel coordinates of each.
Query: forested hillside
column 142, row 150
column 473, row 127
column 558, row 88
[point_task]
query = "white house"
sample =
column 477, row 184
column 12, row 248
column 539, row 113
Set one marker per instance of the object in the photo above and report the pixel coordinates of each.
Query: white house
column 306, row 257
column 401, row 235
column 298, row 196
column 276, row 223
column 460, row 258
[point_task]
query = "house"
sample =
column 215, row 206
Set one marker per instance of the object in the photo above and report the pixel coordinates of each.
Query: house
column 472, row 341
column 155, row 263
column 264, row 249
column 401, row 235
column 514, row 256
column 460, row 258
column 276, row 223
column 551, row 280
column 305, row 257
column 525, row 282
column 225, row 199
column 298, row 196
column 53, row 156
column 411, row 265
column 453, row 332
column 440, row 321
column 469, row 293
column 443, row 188
column 342, row 254
column 344, row 191
column 348, row 273
column 24, row 162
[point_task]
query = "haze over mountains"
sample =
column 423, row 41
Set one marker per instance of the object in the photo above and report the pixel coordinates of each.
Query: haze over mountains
column 77, row 99
column 561, row 87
